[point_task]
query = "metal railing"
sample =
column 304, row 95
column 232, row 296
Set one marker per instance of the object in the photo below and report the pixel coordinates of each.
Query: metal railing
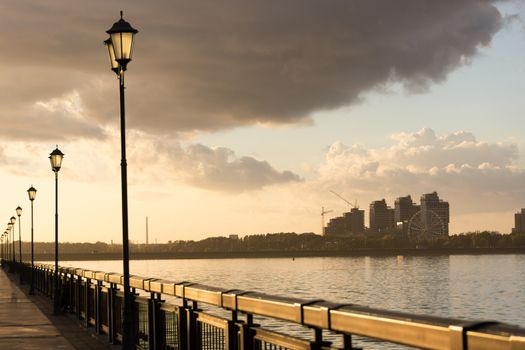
column 96, row 298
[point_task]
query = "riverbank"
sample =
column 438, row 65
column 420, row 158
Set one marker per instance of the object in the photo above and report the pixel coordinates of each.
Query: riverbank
column 284, row 254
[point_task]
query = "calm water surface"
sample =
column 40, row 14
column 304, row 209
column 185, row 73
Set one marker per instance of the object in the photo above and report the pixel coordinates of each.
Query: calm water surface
column 462, row 286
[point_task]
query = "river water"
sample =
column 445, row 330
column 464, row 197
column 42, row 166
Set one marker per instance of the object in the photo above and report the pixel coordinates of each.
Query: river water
column 489, row 287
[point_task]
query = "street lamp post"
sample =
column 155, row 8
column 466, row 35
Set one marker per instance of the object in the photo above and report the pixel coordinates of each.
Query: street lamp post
column 12, row 222
column 56, row 162
column 120, row 49
column 4, row 246
column 19, row 213
column 7, row 251
column 32, row 194
column 7, row 245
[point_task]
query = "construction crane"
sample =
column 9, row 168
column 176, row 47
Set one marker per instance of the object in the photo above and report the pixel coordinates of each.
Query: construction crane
column 322, row 218
column 353, row 205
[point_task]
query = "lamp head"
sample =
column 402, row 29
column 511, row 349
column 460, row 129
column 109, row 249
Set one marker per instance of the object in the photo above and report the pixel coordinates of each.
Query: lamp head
column 121, row 35
column 56, row 159
column 31, row 192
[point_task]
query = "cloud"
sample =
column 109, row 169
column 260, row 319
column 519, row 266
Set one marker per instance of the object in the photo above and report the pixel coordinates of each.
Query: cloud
column 474, row 176
column 217, row 64
column 57, row 119
column 218, row 169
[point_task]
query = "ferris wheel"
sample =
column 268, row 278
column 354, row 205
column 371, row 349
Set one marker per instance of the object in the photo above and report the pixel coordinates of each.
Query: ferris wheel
column 425, row 225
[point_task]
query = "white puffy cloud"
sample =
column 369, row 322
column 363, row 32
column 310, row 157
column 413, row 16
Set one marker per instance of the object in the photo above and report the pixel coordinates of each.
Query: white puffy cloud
column 213, row 168
column 474, row 176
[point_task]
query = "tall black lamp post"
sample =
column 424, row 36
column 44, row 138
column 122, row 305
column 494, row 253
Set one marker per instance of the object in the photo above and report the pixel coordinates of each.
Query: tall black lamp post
column 120, row 48
column 19, row 213
column 12, row 222
column 32, row 194
column 56, row 162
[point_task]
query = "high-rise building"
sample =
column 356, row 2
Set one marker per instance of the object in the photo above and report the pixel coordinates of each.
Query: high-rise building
column 404, row 209
column 335, row 227
column 352, row 222
column 381, row 217
column 519, row 222
column 355, row 221
column 431, row 205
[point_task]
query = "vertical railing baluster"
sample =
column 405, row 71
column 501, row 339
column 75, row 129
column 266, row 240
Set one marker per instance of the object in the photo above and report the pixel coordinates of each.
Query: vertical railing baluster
column 155, row 323
column 182, row 326
column 87, row 301
column 347, row 343
column 98, row 291
column 192, row 327
column 111, row 313
column 78, row 292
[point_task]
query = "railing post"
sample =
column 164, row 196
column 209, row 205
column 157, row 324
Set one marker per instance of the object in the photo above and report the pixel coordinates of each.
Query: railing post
column 347, row 343
column 50, row 284
column 87, row 287
column 47, row 276
column 191, row 326
column 112, row 296
column 78, row 286
column 182, row 324
column 72, row 294
column 245, row 337
column 98, row 291
column 39, row 284
column 318, row 339
column 43, row 280
column 230, row 336
column 64, row 287
column 155, row 323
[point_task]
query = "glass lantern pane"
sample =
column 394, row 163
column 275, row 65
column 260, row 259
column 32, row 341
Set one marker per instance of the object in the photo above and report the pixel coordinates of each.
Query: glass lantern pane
column 56, row 161
column 122, row 43
column 111, row 51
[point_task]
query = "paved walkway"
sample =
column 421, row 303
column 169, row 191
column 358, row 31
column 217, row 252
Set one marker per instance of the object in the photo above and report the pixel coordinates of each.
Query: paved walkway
column 28, row 323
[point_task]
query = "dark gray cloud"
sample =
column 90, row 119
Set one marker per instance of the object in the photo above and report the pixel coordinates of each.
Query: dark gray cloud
column 211, row 64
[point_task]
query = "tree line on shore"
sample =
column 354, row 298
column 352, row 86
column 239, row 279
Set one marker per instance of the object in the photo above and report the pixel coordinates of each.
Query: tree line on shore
column 291, row 241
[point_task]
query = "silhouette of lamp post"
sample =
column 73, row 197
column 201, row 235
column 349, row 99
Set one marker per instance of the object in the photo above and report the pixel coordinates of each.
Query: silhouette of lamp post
column 5, row 256
column 12, row 223
column 120, row 48
column 8, row 245
column 3, row 246
column 19, row 213
column 56, row 162
column 10, row 256
column 4, row 236
column 32, row 194
column 6, row 233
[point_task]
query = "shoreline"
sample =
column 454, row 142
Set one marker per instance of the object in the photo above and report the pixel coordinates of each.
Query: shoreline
column 280, row 254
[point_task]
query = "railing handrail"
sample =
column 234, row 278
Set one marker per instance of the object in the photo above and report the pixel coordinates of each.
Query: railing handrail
column 428, row 332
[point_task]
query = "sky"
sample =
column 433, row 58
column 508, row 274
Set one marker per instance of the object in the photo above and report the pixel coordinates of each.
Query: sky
column 242, row 117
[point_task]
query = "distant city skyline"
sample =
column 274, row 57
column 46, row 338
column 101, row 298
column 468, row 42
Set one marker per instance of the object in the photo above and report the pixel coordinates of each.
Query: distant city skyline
column 244, row 116
column 430, row 217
